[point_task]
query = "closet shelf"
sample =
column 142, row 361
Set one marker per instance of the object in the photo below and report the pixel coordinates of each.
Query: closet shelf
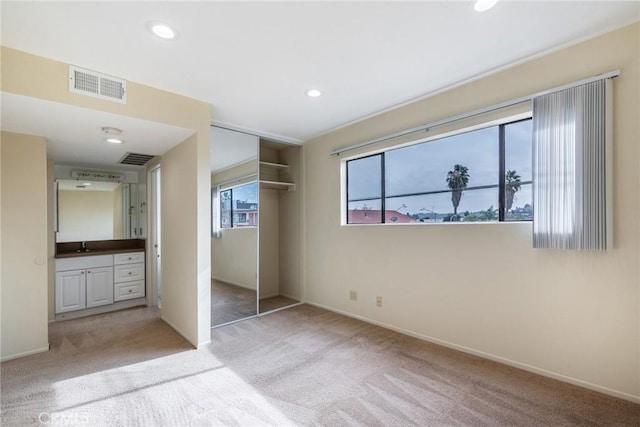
column 277, row 185
column 274, row 165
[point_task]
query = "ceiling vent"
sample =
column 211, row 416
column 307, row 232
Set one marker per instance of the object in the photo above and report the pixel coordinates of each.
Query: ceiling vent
column 97, row 85
column 135, row 159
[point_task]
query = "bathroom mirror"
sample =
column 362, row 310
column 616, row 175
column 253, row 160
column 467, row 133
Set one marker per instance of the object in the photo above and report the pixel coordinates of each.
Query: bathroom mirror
column 234, row 225
column 94, row 210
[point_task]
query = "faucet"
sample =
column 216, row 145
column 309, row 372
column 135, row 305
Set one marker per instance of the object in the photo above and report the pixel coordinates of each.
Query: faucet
column 83, row 247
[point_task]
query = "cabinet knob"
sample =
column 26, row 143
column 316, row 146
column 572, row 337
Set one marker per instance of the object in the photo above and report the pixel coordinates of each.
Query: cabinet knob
column 129, row 258
column 82, row 272
column 130, row 290
column 89, row 271
column 129, row 273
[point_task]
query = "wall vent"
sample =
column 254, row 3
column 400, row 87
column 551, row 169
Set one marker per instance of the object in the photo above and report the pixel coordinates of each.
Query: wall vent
column 97, row 85
column 135, row 159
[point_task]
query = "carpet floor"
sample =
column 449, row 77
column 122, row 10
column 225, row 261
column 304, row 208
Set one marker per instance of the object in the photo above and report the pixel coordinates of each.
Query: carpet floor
column 230, row 303
column 301, row 366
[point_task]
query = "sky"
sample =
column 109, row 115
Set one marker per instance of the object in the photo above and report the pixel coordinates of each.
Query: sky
column 423, row 167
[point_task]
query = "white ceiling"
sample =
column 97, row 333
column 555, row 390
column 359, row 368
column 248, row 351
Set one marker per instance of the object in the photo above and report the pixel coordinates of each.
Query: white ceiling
column 253, row 61
column 74, row 135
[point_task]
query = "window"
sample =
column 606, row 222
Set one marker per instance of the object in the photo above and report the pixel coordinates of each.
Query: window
column 482, row 175
column 239, row 206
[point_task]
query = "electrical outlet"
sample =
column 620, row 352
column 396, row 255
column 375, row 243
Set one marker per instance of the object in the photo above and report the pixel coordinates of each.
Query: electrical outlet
column 353, row 295
column 379, row 301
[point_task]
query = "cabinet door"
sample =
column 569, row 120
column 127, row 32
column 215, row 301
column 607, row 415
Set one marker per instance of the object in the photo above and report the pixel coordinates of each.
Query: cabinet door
column 99, row 286
column 70, row 291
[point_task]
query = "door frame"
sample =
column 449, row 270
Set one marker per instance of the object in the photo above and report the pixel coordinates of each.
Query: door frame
column 154, row 263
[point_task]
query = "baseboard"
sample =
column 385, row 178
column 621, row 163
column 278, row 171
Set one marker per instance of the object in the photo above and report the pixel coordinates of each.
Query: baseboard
column 290, row 296
column 269, row 295
column 118, row 305
column 182, row 334
column 25, row 353
column 499, row 359
column 235, row 284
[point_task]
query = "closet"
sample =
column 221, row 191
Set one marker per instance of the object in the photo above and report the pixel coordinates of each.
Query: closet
column 279, row 236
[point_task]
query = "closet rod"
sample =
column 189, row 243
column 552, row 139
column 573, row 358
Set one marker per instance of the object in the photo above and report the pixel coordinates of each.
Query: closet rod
column 516, row 101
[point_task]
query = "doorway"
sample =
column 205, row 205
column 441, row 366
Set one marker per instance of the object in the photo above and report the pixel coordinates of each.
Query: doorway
column 155, row 234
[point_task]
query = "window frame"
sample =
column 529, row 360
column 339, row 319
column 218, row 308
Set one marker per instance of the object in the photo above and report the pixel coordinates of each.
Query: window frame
column 499, row 123
column 218, row 220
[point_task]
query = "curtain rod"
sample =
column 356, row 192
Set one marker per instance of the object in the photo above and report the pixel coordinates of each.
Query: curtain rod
column 516, row 101
column 237, row 180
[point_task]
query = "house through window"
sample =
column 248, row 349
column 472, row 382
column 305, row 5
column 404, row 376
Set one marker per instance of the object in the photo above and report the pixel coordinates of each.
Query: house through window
column 239, row 206
column 477, row 176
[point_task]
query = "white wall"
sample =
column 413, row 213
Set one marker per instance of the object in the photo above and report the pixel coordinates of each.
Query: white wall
column 481, row 287
column 234, row 257
column 24, row 253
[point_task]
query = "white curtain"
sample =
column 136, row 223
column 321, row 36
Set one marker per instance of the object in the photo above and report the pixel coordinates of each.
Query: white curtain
column 215, row 213
column 571, row 137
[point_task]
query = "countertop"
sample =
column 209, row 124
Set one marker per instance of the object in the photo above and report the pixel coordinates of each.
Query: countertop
column 97, row 252
column 99, row 247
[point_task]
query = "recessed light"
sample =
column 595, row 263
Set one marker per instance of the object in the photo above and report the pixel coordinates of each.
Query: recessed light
column 482, row 5
column 111, row 131
column 314, row 93
column 114, row 140
column 162, row 30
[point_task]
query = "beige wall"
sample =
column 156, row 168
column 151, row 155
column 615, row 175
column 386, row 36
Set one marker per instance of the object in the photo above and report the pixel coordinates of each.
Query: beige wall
column 289, row 217
column 38, row 77
column 233, row 176
column 481, row 287
column 85, row 215
column 24, row 241
column 51, row 239
column 269, row 243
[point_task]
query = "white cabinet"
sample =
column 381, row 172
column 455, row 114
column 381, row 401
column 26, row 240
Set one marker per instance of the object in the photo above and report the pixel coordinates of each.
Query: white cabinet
column 70, row 291
column 128, row 258
column 128, row 272
column 129, row 276
column 99, row 286
column 85, row 282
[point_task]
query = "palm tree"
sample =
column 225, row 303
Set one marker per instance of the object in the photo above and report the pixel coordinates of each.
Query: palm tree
column 457, row 180
column 511, row 187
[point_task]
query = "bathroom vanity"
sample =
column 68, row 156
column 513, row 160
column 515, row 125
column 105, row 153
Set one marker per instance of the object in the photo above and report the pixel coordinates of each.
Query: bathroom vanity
column 99, row 276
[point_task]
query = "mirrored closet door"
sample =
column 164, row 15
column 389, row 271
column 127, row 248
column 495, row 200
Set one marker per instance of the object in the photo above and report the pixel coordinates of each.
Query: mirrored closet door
column 235, row 217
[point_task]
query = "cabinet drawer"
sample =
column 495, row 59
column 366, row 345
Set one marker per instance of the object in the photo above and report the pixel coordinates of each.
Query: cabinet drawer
column 128, row 258
column 128, row 290
column 128, row 272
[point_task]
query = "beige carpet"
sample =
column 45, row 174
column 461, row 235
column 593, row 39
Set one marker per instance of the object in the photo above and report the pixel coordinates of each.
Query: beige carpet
column 230, row 302
column 301, row 366
column 274, row 303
